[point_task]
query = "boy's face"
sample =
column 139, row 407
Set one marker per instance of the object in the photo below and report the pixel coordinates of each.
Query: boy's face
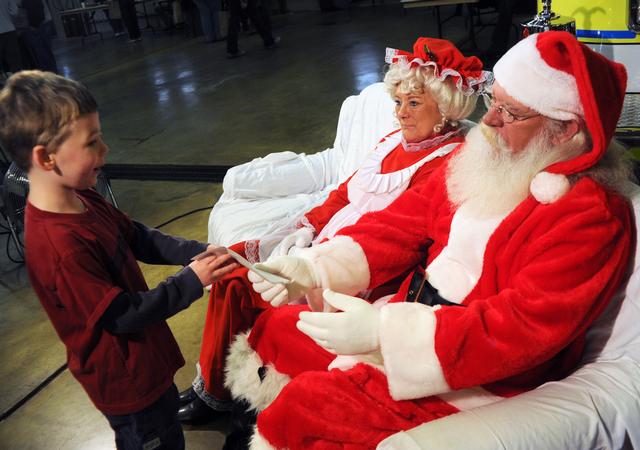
column 79, row 158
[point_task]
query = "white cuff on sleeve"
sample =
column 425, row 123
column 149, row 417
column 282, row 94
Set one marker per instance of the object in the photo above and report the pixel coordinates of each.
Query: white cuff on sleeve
column 340, row 265
column 407, row 342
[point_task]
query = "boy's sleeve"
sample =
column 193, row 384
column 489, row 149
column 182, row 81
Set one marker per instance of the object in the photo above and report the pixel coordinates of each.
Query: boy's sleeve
column 130, row 312
column 152, row 246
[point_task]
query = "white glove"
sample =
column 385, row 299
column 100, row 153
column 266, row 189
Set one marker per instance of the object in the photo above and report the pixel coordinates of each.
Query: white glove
column 300, row 238
column 300, row 271
column 350, row 332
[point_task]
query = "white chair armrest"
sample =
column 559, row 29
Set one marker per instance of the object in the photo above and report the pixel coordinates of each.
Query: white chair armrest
column 595, row 408
column 279, row 175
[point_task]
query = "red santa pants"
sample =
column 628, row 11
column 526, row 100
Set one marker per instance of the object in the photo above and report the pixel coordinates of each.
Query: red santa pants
column 342, row 410
column 279, row 343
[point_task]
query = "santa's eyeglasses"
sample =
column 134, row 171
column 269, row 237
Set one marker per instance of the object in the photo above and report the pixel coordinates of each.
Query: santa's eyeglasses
column 506, row 115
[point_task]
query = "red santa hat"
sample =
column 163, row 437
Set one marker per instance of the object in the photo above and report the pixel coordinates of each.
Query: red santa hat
column 446, row 60
column 559, row 77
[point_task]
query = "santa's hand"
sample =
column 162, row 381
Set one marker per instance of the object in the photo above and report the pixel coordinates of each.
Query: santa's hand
column 298, row 270
column 350, row 332
column 300, row 238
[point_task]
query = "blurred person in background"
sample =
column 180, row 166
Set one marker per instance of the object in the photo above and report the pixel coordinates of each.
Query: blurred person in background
column 10, row 60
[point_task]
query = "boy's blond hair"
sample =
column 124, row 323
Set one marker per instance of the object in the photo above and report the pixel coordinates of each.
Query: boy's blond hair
column 38, row 108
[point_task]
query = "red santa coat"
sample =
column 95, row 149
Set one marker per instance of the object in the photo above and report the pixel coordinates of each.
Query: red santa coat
column 548, row 272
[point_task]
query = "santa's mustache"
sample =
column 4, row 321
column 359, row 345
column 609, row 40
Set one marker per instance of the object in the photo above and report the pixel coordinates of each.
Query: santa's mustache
column 492, row 138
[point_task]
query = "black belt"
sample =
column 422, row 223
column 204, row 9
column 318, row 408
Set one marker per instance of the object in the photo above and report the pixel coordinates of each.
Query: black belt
column 421, row 291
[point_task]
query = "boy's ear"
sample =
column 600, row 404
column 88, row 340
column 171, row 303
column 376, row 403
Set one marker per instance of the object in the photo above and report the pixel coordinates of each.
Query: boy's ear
column 41, row 158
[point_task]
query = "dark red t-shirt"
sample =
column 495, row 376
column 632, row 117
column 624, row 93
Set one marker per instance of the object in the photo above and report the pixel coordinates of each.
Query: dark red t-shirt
column 78, row 263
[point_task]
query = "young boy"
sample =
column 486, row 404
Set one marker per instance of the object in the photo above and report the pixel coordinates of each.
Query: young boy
column 81, row 257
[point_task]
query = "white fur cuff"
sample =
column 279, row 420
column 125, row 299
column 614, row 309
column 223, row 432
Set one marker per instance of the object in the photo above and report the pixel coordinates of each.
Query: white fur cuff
column 242, row 379
column 407, row 342
column 340, row 265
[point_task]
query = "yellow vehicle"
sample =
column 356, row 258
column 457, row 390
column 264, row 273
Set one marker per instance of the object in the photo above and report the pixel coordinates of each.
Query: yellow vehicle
column 612, row 28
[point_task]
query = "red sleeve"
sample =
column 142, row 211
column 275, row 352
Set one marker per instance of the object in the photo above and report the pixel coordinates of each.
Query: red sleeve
column 397, row 238
column 239, row 248
column 321, row 215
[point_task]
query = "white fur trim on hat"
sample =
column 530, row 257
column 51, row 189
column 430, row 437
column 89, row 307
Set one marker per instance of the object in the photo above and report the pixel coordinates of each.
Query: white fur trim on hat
column 525, row 76
column 547, row 187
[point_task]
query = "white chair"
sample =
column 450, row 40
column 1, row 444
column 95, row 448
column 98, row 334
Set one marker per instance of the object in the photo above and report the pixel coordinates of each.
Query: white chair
column 267, row 195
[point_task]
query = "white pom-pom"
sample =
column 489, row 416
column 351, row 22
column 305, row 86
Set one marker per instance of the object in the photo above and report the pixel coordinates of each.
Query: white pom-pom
column 548, row 187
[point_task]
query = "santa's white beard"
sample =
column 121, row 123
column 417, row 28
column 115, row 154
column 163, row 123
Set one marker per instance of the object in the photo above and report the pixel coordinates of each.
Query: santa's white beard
column 491, row 179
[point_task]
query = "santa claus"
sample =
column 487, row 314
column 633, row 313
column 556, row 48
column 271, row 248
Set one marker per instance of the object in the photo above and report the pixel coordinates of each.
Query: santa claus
column 528, row 239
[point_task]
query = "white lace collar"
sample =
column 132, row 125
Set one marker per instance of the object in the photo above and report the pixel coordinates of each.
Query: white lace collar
column 429, row 142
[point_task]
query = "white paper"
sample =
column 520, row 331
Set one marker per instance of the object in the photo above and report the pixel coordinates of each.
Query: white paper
column 270, row 277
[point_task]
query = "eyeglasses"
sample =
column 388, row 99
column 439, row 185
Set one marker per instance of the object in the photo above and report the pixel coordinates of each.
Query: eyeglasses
column 506, row 115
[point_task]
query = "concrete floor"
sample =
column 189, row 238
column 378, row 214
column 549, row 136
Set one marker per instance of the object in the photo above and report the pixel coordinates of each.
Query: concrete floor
column 171, row 100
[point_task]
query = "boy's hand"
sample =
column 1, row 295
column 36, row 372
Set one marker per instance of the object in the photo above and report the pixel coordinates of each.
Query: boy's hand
column 211, row 268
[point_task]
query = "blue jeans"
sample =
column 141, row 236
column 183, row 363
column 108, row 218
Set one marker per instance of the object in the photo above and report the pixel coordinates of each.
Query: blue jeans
column 155, row 427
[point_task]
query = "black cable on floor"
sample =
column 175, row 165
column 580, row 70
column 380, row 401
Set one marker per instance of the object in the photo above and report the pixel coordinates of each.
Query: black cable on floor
column 7, row 249
column 184, row 215
column 31, row 394
column 6, row 230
